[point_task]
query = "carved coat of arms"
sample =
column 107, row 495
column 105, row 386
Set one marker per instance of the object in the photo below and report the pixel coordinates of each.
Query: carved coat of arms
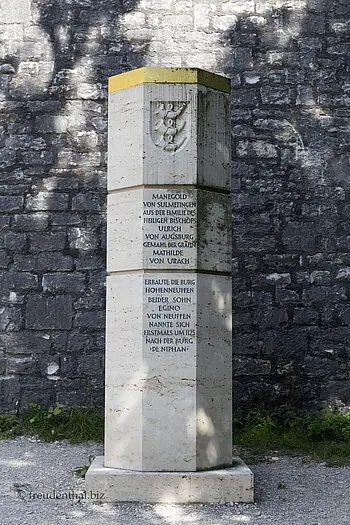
column 168, row 125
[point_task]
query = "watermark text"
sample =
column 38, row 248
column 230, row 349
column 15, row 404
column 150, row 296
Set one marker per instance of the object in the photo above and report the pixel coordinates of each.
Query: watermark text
column 66, row 495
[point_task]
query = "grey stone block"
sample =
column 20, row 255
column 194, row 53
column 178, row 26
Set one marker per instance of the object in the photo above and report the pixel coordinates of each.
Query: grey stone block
column 47, row 242
column 256, row 149
column 271, row 318
column 41, row 391
column 305, row 316
column 73, row 283
column 11, row 318
column 80, row 342
column 276, row 95
column 87, row 202
column 316, row 294
column 323, row 367
column 58, row 342
column 72, row 392
column 68, row 366
column 251, row 366
column 41, row 158
column 246, row 344
column 25, row 342
column 55, row 124
column 23, row 365
column 92, row 320
column 84, row 239
column 49, row 313
column 17, row 282
column 15, row 241
column 241, row 322
column 90, row 365
column 301, row 236
column 4, row 259
column 59, row 183
column 90, row 301
column 4, row 222
column 344, row 314
column 320, row 277
column 294, row 343
column 90, row 262
column 284, row 296
column 30, row 222
column 65, row 219
column 248, row 98
column 10, row 392
column 7, row 157
column 51, row 366
column 43, row 262
column 2, row 366
column 47, row 201
column 11, row 203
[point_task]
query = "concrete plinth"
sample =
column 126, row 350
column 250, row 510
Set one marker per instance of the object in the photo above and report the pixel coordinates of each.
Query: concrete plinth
column 233, row 484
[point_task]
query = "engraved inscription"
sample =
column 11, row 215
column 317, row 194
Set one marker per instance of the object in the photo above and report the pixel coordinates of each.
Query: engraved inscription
column 168, row 125
column 169, row 228
column 170, row 322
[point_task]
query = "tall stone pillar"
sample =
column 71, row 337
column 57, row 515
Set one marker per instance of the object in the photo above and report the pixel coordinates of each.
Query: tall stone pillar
column 168, row 332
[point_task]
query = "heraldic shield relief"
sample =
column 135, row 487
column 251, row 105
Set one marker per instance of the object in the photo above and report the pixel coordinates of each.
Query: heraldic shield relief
column 168, row 125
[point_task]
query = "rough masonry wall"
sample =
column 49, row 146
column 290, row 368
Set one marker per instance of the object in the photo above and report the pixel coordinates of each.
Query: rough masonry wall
column 288, row 61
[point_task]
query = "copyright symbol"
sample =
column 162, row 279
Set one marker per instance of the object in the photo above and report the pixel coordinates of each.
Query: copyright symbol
column 21, row 494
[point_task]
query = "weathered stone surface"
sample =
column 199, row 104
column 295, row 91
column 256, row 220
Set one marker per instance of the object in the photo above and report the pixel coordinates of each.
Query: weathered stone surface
column 23, row 365
column 90, row 261
column 25, row 342
column 288, row 65
column 29, row 222
column 15, row 241
column 84, row 239
column 18, row 281
column 169, row 329
column 46, row 261
column 89, row 365
column 47, row 201
column 4, row 259
column 11, row 203
column 48, row 242
column 49, row 313
column 61, row 282
column 10, row 318
column 42, row 389
column 80, row 342
column 73, row 391
column 87, row 202
column 10, row 392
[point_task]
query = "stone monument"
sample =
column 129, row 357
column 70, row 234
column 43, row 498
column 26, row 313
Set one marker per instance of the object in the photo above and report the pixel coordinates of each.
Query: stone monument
column 168, row 435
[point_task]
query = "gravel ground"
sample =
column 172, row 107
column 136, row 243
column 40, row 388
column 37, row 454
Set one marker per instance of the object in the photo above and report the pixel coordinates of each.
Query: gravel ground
column 289, row 491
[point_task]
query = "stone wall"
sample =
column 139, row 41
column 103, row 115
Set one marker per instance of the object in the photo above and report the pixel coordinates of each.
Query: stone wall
column 289, row 67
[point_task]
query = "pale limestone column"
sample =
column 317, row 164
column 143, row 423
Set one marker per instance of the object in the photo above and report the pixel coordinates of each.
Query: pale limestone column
column 168, row 329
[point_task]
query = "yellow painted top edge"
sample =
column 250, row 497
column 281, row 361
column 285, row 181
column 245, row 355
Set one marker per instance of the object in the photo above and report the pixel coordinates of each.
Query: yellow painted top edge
column 163, row 75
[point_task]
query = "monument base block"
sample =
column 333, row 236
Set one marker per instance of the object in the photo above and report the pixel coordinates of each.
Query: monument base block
column 234, row 484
